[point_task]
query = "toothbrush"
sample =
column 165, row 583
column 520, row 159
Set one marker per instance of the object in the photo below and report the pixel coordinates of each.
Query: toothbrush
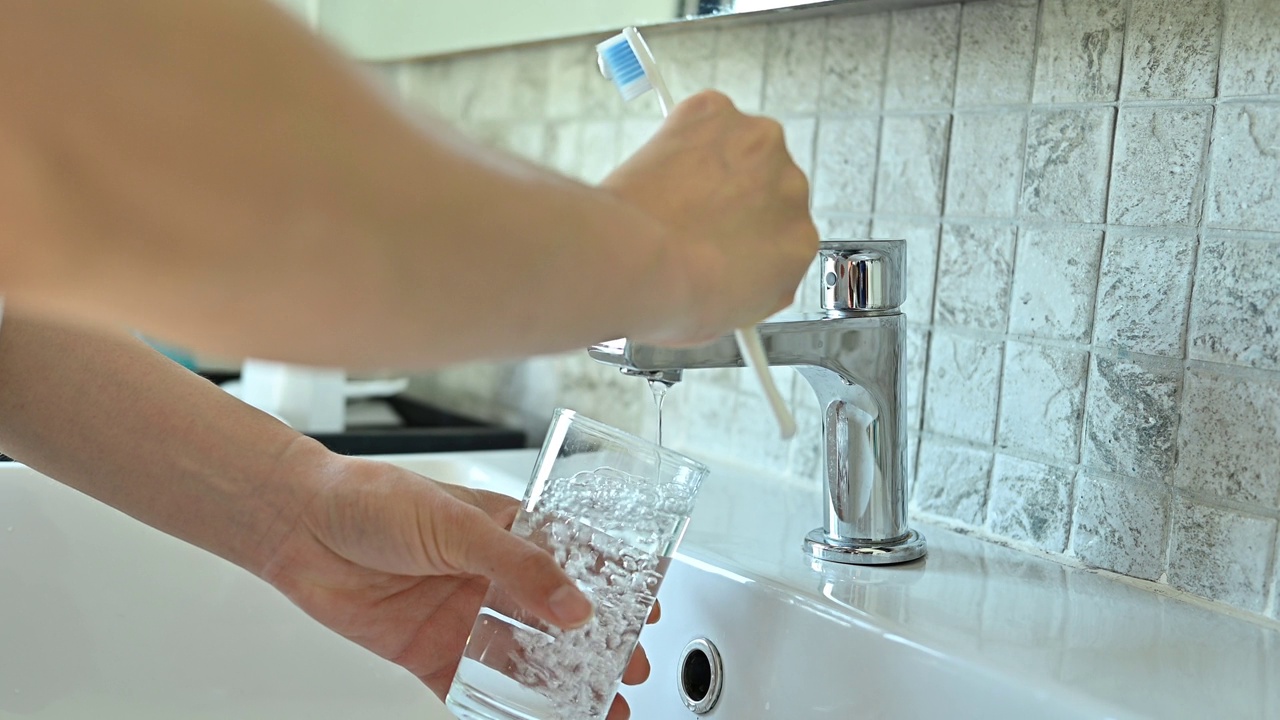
column 626, row 60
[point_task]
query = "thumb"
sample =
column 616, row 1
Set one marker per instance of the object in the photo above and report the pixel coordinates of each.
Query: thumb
column 529, row 574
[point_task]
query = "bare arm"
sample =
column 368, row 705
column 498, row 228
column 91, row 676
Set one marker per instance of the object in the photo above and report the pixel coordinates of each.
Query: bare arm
column 112, row 418
column 211, row 173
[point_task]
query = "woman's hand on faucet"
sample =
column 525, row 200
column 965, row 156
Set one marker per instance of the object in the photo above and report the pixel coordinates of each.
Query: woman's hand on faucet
column 724, row 183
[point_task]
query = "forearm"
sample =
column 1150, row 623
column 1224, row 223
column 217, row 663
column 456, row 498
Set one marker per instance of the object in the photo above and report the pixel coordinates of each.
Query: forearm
column 116, row 420
column 211, row 173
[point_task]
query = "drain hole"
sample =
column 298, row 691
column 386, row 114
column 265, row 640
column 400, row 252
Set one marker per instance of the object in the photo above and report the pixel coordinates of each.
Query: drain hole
column 696, row 675
column 701, row 676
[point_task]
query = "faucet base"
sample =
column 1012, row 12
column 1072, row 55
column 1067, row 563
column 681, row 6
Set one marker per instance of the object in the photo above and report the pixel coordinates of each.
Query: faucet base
column 819, row 546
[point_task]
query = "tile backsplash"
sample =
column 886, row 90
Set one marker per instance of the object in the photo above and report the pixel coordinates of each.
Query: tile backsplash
column 1090, row 191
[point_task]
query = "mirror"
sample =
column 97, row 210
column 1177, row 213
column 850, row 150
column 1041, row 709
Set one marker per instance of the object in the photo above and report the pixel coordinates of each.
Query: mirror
column 400, row 29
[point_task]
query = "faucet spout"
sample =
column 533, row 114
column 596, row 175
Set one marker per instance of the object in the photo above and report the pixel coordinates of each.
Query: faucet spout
column 852, row 356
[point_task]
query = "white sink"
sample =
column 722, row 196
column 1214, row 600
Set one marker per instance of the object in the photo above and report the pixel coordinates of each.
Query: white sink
column 101, row 617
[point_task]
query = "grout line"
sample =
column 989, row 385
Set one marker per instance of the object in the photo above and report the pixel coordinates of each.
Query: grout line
column 1271, row 604
column 1073, row 501
column 879, row 115
column 1124, row 47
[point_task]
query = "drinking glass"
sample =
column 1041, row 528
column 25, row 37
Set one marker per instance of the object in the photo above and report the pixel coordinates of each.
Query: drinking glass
column 611, row 508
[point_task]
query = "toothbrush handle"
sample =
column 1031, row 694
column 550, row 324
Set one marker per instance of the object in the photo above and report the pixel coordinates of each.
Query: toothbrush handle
column 753, row 353
column 650, row 65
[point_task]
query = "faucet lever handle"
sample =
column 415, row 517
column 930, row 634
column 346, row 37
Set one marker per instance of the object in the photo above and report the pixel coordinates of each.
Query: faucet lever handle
column 863, row 275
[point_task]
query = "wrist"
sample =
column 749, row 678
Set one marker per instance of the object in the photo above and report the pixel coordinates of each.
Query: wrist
column 668, row 287
column 301, row 472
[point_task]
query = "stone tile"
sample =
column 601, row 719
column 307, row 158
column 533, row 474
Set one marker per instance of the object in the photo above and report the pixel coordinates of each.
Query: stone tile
column 758, row 442
column 922, row 261
column 916, row 354
column 602, row 393
column 1068, row 153
column 806, row 447
column 963, row 387
column 800, row 138
column 739, row 64
column 1274, row 652
column 302, row 10
column 601, row 148
column 1250, row 49
column 635, row 132
column 1155, row 168
column 1171, row 51
column 530, row 69
column 1220, row 554
column 1042, row 400
column 913, row 157
column 1054, row 281
column 853, row 69
column 385, row 77
column 1227, row 443
column 569, row 68
column 1030, row 502
column 1235, row 308
column 562, row 150
column 808, row 295
column 529, row 393
column 923, row 45
column 974, row 278
column 841, row 227
column 438, row 87
column 913, row 455
column 491, row 134
column 600, row 97
column 951, row 481
column 468, row 388
column 1131, row 418
column 793, row 66
column 1119, row 525
column 528, row 140
column 846, row 153
column 506, row 85
column 1080, row 47
column 697, row 415
column 1244, row 173
column 687, row 58
column 985, row 166
column 997, row 52
column 1143, row 293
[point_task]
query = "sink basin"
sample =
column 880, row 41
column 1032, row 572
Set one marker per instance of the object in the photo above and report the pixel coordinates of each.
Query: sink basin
column 101, row 617
column 104, row 618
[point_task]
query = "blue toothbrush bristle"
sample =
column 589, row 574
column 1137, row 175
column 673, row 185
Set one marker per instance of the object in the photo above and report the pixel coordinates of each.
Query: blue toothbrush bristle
column 625, row 69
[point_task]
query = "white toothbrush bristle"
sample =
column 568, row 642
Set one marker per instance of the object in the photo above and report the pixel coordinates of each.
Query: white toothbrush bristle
column 619, row 63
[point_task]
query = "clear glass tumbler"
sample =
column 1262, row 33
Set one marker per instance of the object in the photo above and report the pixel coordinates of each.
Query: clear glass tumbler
column 611, row 508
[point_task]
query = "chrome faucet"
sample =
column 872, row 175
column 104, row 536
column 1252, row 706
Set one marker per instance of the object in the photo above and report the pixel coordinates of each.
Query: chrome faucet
column 851, row 353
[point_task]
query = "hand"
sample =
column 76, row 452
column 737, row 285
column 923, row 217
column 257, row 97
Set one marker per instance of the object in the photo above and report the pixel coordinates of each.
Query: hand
column 400, row 564
column 724, row 183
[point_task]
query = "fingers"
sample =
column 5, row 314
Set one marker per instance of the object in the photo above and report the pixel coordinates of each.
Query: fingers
column 501, row 508
column 527, row 573
column 620, row 710
column 655, row 614
column 638, row 669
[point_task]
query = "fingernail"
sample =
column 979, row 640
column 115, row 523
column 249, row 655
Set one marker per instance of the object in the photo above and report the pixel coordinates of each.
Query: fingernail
column 570, row 606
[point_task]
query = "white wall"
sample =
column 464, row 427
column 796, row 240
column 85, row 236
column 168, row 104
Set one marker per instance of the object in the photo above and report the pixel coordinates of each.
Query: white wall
column 390, row 29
